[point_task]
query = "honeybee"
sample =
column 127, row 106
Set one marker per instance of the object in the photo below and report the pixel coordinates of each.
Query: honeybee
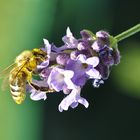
column 22, row 72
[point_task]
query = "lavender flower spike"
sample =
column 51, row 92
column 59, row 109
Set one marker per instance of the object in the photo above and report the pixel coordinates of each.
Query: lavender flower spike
column 67, row 68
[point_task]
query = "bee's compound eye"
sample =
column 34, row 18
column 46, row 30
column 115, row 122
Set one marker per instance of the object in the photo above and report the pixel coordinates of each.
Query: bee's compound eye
column 41, row 54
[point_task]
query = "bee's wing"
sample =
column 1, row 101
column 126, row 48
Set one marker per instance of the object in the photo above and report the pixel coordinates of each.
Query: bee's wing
column 4, row 75
column 7, row 70
column 5, row 83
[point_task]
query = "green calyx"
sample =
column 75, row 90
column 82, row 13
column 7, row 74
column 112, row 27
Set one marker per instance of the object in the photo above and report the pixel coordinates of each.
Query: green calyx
column 113, row 42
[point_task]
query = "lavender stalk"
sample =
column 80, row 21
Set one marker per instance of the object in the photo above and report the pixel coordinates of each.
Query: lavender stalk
column 128, row 33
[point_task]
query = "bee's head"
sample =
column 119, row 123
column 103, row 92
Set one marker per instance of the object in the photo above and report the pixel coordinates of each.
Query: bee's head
column 39, row 54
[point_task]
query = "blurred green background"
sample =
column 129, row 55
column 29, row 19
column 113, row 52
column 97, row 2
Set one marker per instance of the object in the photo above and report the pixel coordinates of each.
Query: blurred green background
column 114, row 111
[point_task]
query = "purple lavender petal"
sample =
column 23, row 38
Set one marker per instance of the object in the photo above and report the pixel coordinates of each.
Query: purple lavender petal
column 79, row 77
column 95, row 46
column 53, row 56
column 48, row 50
column 59, row 49
column 69, row 40
column 62, row 58
column 68, row 75
column 83, row 101
column 93, row 74
column 74, row 54
column 59, row 79
column 66, row 90
column 43, row 64
column 94, row 61
column 37, row 95
column 47, row 46
column 56, row 80
column 72, row 99
column 81, row 46
column 83, row 68
column 74, row 105
column 45, row 73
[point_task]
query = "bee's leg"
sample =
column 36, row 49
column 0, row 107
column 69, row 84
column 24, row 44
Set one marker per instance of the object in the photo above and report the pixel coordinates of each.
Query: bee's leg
column 29, row 79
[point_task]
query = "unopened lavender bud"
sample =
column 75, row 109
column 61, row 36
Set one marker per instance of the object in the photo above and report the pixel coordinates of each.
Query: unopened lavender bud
column 116, row 56
column 106, row 56
column 104, row 71
column 87, row 35
column 102, row 34
column 102, row 39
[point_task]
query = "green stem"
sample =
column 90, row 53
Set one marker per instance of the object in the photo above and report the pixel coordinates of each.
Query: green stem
column 128, row 33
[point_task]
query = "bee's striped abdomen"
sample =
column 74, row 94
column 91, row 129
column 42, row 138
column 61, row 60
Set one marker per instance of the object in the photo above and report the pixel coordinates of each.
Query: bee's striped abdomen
column 18, row 85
